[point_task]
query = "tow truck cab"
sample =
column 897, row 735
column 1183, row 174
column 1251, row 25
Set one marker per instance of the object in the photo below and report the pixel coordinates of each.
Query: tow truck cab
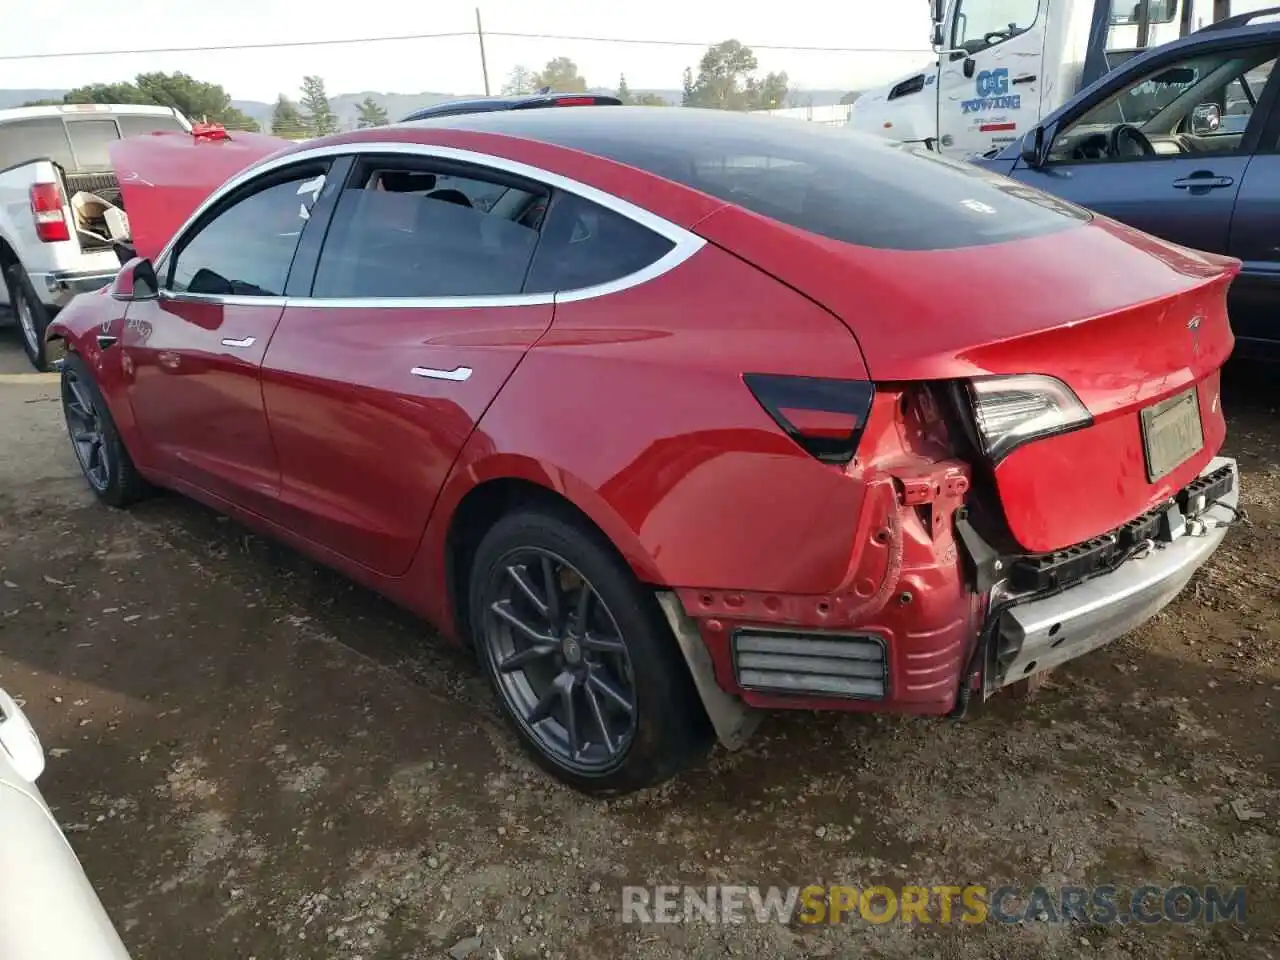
column 1002, row 65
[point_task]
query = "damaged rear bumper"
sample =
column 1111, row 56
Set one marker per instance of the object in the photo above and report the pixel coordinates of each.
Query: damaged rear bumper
column 1033, row 636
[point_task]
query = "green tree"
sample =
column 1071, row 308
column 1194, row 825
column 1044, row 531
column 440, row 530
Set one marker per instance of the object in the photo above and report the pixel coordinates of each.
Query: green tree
column 561, row 75
column 318, row 116
column 520, row 80
column 726, row 80
column 286, row 121
column 628, row 96
column 194, row 99
column 623, row 92
column 687, row 93
column 371, row 114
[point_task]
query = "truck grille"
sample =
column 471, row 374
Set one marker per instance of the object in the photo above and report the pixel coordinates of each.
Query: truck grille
column 811, row 664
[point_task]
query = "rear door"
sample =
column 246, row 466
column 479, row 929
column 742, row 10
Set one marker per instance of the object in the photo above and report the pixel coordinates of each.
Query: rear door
column 379, row 372
column 989, row 88
column 1184, row 188
column 1255, row 296
column 193, row 355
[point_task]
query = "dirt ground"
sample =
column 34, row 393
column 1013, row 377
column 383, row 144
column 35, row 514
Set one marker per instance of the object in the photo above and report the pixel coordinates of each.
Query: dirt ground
column 257, row 759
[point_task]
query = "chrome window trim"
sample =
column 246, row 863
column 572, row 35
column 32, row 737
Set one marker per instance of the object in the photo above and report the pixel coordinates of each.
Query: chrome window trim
column 686, row 243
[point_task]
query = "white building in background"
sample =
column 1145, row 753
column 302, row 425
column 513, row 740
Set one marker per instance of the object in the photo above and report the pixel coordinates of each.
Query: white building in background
column 836, row 114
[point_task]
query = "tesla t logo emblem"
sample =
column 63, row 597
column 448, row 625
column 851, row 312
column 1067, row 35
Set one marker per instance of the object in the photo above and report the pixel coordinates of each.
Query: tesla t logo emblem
column 1194, row 326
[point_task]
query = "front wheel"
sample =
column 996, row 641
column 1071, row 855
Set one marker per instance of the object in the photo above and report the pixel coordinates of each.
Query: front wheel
column 103, row 459
column 584, row 665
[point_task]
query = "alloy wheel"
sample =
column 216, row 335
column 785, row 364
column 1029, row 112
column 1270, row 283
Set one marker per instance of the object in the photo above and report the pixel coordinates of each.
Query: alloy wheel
column 560, row 660
column 85, row 428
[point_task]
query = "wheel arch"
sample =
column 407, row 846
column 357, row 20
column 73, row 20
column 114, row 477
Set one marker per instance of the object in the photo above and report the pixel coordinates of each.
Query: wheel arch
column 491, row 488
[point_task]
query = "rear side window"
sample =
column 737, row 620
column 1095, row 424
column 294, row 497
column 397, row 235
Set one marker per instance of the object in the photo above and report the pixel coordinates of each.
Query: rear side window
column 40, row 138
column 583, row 245
column 408, row 233
column 89, row 141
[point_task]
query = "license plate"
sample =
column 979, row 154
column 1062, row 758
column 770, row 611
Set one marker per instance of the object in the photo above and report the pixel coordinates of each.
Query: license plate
column 1171, row 433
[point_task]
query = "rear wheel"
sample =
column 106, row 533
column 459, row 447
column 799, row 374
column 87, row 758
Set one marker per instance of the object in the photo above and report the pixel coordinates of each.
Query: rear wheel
column 583, row 663
column 103, row 459
column 32, row 315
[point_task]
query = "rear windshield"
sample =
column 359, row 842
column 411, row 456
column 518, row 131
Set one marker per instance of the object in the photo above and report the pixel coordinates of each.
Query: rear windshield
column 826, row 180
column 74, row 142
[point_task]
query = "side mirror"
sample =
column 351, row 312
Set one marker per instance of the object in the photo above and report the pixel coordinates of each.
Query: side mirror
column 1032, row 152
column 136, row 281
column 1206, row 119
column 938, row 12
column 937, row 37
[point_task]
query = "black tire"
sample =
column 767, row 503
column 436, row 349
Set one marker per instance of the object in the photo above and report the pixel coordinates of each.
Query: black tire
column 103, row 459
column 31, row 316
column 668, row 728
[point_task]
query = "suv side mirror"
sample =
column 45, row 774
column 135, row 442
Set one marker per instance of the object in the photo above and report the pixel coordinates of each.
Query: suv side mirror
column 938, row 12
column 1032, row 152
column 1206, row 119
column 937, row 37
column 136, row 281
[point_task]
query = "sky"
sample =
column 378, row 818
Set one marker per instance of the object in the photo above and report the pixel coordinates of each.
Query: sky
column 452, row 65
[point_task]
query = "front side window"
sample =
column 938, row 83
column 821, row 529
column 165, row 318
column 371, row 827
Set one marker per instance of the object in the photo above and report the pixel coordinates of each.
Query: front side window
column 983, row 23
column 1198, row 105
column 401, row 230
column 246, row 250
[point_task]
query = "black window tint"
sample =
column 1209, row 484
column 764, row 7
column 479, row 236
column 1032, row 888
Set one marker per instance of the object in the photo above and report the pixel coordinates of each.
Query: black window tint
column 133, row 126
column 584, row 244
column 247, row 249
column 42, row 138
column 89, row 140
column 827, row 180
column 408, row 233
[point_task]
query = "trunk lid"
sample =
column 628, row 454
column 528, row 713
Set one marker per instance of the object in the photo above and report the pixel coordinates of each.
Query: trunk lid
column 164, row 177
column 1124, row 319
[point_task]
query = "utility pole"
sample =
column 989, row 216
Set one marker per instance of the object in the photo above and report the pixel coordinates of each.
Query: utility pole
column 484, row 64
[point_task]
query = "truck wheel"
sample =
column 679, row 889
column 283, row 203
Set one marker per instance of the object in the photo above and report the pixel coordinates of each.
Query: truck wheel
column 580, row 656
column 31, row 314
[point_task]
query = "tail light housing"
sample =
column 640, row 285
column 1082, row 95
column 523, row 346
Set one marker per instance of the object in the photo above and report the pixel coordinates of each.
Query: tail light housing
column 1011, row 411
column 824, row 416
column 46, row 211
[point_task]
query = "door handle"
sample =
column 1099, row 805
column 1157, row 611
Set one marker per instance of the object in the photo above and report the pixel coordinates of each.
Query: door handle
column 457, row 374
column 1205, row 181
column 1026, row 78
column 246, row 342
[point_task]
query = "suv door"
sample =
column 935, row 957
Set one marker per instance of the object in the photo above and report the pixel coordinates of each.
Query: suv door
column 193, row 355
column 989, row 85
column 1135, row 150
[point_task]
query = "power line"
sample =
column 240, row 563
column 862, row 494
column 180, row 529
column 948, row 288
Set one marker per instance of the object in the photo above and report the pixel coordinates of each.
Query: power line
column 283, row 44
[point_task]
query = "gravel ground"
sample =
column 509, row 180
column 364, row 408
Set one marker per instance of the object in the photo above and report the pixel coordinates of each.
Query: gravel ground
column 255, row 758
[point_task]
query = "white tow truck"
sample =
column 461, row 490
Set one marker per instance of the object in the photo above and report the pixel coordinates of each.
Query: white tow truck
column 1002, row 65
column 60, row 209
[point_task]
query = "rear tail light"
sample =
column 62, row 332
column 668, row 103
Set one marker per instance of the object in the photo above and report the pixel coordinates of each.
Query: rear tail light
column 824, row 416
column 1011, row 411
column 46, row 211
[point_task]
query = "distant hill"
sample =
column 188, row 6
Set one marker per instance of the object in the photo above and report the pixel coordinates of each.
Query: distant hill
column 397, row 105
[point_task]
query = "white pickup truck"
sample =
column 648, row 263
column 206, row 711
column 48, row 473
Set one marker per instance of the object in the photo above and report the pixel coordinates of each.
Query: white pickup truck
column 60, row 209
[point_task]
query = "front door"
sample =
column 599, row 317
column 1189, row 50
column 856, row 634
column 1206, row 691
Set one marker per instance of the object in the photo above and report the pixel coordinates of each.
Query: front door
column 1165, row 148
column 374, row 381
column 1255, row 239
column 193, row 355
column 989, row 85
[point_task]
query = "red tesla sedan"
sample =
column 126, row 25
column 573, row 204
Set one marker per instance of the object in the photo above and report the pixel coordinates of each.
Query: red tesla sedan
column 674, row 415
